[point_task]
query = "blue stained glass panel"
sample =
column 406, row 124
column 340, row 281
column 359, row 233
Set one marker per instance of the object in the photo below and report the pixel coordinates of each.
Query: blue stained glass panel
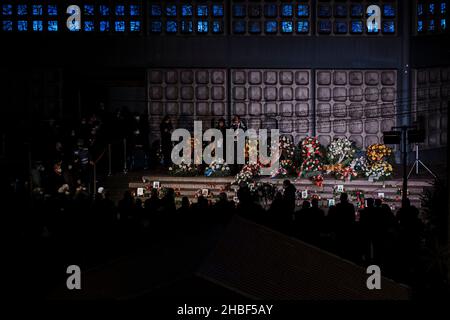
column 239, row 10
column 419, row 26
column 89, row 9
column 217, row 26
column 89, row 26
column 135, row 26
column 254, row 27
column 239, row 26
column 22, row 25
column 340, row 27
column 372, row 28
column 104, row 10
column 389, row 10
column 324, row 10
column 287, row 10
column 443, row 8
column 156, row 10
column 357, row 10
column 38, row 25
column 270, row 10
column 419, row 9
column 104, row 26
column 202, row 26
column 7, row 9
column 303, row 26
column 254, row 11
column 443, row 24
column 431, row 26
column 202, row 10
column 135, row 10
column 119, row 26
column 52, row 26
column 52, row 10
column 186, row 26
column 171, row 10
column 388, row 27
column 357, row 26
column 37, row 10
column 171, row 26
column 186, row 10
column 287, row 26
column 324, row 26
column 340, row 10
column 431, row 8
column 7, row 25
column 303, row 10
column 156, row 26
column 217, row 10
column 22, row 9
column 120, row 10
column 271, row 26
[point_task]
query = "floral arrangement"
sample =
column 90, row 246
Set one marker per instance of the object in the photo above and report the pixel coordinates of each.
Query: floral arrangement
column 378, row 152
column 310, row 148
column 341, row 151
column 247, row 175
column 218, row 168
column 287, row 148
column 183, row 169
column 376, row 165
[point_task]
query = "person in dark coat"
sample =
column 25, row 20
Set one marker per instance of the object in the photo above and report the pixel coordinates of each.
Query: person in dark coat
column 166, row 140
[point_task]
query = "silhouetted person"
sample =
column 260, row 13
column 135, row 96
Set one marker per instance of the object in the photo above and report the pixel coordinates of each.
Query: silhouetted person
column 345, row 220
column 289, row 196
column 301, row 223
column 315, row 220
column 166, row 140
column 223, row 208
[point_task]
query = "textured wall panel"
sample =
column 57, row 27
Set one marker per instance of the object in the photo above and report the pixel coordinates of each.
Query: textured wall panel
column 431, row 101
column 188, row 95
column 357, row 104
column 276, row 98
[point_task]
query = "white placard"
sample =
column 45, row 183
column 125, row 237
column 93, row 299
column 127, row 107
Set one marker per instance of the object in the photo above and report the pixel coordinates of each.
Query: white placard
column 156, row 185
column 205, row 192
column 331, row 202
column 381, row 195
column 340, row 188
column 305, row 194
column 140, row 192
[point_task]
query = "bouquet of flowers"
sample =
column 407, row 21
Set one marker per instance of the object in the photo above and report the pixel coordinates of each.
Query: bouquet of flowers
column 378, row 170
column 247, row 175
column 218, row 168
column 378, row 152
column 183, row 169
column 287, row 148
column 310, row 148
column 312, row 156
column 341, row 151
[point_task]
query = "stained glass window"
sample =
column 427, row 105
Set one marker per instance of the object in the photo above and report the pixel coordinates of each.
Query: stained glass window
column 104, row 26
column 443, row 24
column 357, row 10
column 217, row 26
column 186, row 10
column 357, row 26
column 239, row 26
column 419, row 26
column 89, row 9
column 52, row 10
column 270, row 10
column 271, row 26
column 431, row 25
column 254, row 11
column 324, row 26
column 340, row 10
column 239, row 10
column 443, row 8
column 135, row 10
column 120, row 10
column 119, row 26
column 156, row 26
column 324, row 11
column 420, row 9
column 254, row 27
column 186, row 26
column 217, row 10
column 202, row 11
column 340, row 27
column 89, row 26
column 303, row 26
column 22, row 10
column 38, row 25
column 287, row 10
column 171, row 10
column 104, row 10
column 52, row 26
column 135, row 26
column 303, row 10
column 202, row 26
column 287, row 26
column 7, row 10
column 389, row 10
column 7, row 25
column 388, row 26
column 22, row 25
column 431, row 8
column 171, row 26
column 37, row 10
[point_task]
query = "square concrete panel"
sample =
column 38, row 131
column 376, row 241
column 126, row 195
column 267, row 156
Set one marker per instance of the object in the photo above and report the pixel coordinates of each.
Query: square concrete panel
column 202, row 108
column 172, row 108
column 388, row 94
column 325, row 140
column 255, row 109
column 355, row 126
column 187, row 93
column 324, row 126
column 372, row 78
column 239, row 77
column 270, row 93
column 218, row 77
column 422, row 76
column 202, row 93
column 358, row 140
column 302, row 77
column 324, row 110
column 240, row 108
column 187, row 77
column 340, row 94
column 239, row 93
column 340, row 78
column 270, row 123
column 355, row 94
column 301, row 94
column 387, row 124
column 286, row 77
column 339, row 126
column 371, row 110
column 371, row 126
column 434, row 75
column 218, row 108
column 371, row 94
column 339, row 110
column 156, row 108
column 323, row 94
column 270, row 109
column 156, row 76
column 286, row 109
column 156, row 93
column 254, row 123
column 302, row 125
column 254, row 77
column 434, row 93
column 388, row 78
column 218, row 93
column 171, row 76
column 302, row 109
column 286, row 93
column 387, row 110
column 355, row 78
column 187, row 108
column 369, row 140
column 270, row 77
column 324, row 77
column 255, row 93
column 202, row 76
column 171, row 93
column 286, row 126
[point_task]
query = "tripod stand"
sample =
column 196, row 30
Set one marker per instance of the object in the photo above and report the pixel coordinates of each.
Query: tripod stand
column 419, row 162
